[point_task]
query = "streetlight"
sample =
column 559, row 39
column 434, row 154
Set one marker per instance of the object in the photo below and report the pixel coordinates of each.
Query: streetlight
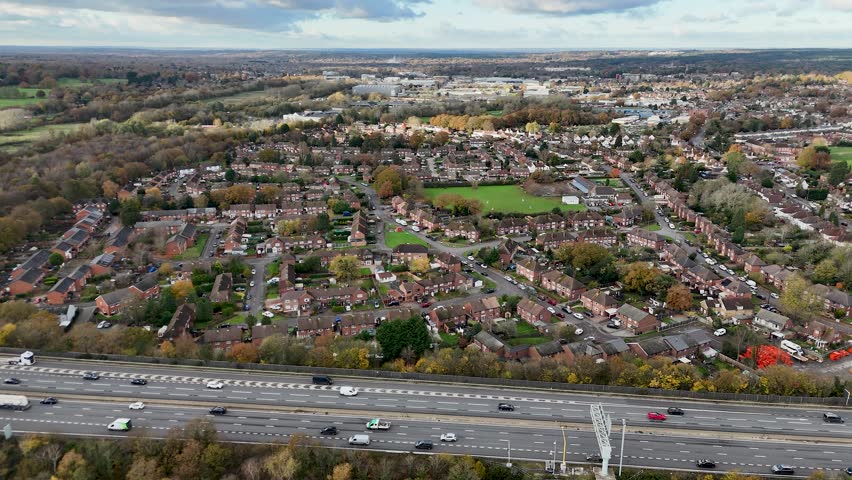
column 563, row 466
column 508, row 453
column 621, row 452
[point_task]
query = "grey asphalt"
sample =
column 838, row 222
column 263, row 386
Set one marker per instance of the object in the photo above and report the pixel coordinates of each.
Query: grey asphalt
column 57, row 377
column 91, row 417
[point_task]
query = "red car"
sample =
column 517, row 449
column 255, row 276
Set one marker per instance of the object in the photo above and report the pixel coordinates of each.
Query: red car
column 425, row 305
column 656, row 416
column 551, row 301
column 560, row 314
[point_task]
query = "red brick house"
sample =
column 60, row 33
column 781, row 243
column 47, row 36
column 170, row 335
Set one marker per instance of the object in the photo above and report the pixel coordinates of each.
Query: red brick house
column 407, row 252
column 530, row 269
column 598, row 302
column 341, row 295
column 532, row 312
column 26, row 282
column 483, row 310
column 181, row 322
column 223, row 338
column 636, row 320
column 61, row 291
column 643, row 238
column 563, row 285
column 449, row 262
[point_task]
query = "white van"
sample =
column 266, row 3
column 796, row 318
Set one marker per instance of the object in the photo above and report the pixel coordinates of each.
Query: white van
column 359, row 440
column 120, row 425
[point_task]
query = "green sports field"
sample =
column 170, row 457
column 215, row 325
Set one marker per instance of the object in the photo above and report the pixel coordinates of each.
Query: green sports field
column 842, row 153
column 506, row 199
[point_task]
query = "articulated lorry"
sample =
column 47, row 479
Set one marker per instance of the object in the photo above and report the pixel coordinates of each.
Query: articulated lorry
column 14, row 402
column 26, row 358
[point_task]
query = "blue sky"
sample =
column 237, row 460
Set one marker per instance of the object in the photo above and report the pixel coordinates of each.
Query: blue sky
column 438, row 24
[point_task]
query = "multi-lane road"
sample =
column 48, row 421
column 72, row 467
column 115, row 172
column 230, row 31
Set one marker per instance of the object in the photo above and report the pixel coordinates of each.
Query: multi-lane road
column 269, row 407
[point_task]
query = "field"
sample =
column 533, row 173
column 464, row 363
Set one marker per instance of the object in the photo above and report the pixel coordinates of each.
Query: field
column 393, row 239
column 76, row 82
column 9, row 140
column 29, row 97
column 842, row 153
column 245, row 97
column 506, row 199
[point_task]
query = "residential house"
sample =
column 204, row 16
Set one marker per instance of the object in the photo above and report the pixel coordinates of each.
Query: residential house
column 61, row 291
column 314, row 326
column 448, row 318
column 643, row 238
column 530, row 269
column 259, row 333
column 532, row 312
column 599, row 236
column 587, row 220
column 552, row 349
column 636, row 320
column 223, row 338
column 179, row 242
column 552, row 240
column 598, row 302
column 25, row 282
column 340, row 295
column 507, row 251
column 36, row 261
column 102, row 264
column 752, row 263
column 483, row 310
column 462, row 229
column 730, row 307
column 406, row 252
column 512, row 226
column 146, row 288
column 360, row 230
column 295, row 301
column 112, row 303
column 181, row 322
column 547, row 222
column 222, row 288
column 448, row 262
column 563, row 285
column 487, row 342
column 772, row 321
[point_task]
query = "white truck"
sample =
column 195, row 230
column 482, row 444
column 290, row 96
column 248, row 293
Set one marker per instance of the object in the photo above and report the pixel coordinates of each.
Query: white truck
column 26, row 358
column 378, row 424
column 14, row 402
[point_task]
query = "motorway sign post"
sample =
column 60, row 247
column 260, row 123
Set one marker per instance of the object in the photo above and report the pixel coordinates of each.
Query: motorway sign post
column 602, row 424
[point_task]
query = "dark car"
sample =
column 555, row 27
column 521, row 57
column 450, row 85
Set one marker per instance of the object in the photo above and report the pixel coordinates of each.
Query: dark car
column 218, row 411
column 91, row 376
column 11, row 381
column 139, row 381
column 329, row 431
column 506, row 407
column 848, row 470
column 49, row 401
column 674, row 411
column 783, row 470
column 322, row 380
column 832, row 418
column 594, row 458
column 423, row 445
column 704, row 463
column 489, row 290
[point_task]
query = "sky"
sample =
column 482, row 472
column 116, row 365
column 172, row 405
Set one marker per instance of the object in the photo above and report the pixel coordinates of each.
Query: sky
column 429, row 24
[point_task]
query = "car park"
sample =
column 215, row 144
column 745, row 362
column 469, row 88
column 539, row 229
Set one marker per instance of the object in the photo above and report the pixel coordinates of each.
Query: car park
column 49, row 401
column 448, row 437
column 720, row 332
column 705, row 463
column 330, row 430
column 674, row 411
column 783, row 470
column 348, row 391
column 506, row 407
column 218, row 411
column 656, row 416
column 423, row 445
column 137, row 406
column 215, row 385
column 91, row 376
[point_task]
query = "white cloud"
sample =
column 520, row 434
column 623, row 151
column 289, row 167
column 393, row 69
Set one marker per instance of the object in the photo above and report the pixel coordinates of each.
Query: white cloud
column 568, row 7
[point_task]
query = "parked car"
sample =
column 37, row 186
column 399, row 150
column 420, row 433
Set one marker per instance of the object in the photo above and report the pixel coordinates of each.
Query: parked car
column 674, row 411
column 720, row 332
column 578, row 331
column 774, row 295
column 104, row 324
column 425, row 305
column 331, row 430
column 552, row 301
column 566, row 309
column 578, row 315
column 705, row 463
column 218, row 411
column 613, row 325
column 551, row 310
column 560, row 314
column 506, row 407
column 448, row 437
column 656, row 416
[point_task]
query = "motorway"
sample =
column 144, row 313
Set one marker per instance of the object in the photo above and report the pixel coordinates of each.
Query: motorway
column 269, row 406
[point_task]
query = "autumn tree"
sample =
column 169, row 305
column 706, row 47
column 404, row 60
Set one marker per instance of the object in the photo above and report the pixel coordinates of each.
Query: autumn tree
column 639, row 277
column 182, row 288
column 244, row 353
column 388, row 182
column 345, row 267
column 798, row 299
column 289, row 227
column 342, row 471
column 419, row 265
column 281, row 464
column 679, row 298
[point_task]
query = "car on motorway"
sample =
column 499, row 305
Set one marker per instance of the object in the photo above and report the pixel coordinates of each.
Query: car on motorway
column 49, row 401
column 831, row 418
column 359, row 439
column 423, row 445
column 218, row 411
column 656, row 416
column 448, row 437
column 674, row 411
column 330, row 430
column 720, row 332
column 322, row 380
column 594, row 458
column 91, row 376
column 780, row 469
column 705, row 463
column 506, row 407
column 137, row 406
column 849, row 471
column 12, row 381
column 139, row 381
column 215, row 385
column 120, row 425
column 348, row 391
column 578, row 315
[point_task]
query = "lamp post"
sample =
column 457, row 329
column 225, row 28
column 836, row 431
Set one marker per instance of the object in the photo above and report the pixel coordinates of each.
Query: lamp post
column 621, row 452
column 563, row 466
column 508, row 453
